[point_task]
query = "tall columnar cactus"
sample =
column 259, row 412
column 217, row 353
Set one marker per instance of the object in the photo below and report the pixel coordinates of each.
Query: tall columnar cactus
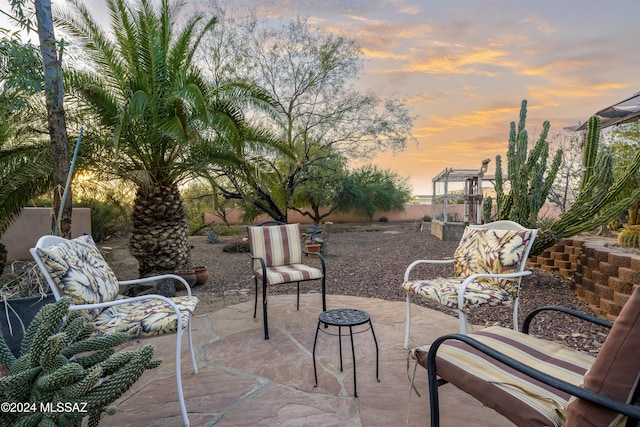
column 499, row 186
column 598, row 201
column 486, row 209
column 526, row 172
column 65, row 373
column 590, row 151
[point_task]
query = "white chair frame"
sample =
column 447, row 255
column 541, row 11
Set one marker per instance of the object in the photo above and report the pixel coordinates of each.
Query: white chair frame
column 48, row 241
column 497, row 225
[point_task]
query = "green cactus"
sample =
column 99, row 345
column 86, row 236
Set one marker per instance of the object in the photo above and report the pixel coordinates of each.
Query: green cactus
column 526, row 172
column 629, row 236
column 487, row 205
column 62, row 364
column 590, row 151
column 598, row 201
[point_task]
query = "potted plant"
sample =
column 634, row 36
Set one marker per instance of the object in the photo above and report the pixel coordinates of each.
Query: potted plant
column 23, row 291
column 313, row 246
column 313, row 239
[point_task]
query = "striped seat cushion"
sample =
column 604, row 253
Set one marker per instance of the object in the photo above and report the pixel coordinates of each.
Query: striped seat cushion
column 290, row 273
column 521, row 399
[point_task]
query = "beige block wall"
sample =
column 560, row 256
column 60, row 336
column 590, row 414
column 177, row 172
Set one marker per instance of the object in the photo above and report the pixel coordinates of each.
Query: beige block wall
column 35, row 222
column 408, row 214
column 603, row 276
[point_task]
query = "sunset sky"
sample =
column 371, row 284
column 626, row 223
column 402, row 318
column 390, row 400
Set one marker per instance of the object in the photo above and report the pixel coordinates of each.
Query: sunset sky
column 464, row 66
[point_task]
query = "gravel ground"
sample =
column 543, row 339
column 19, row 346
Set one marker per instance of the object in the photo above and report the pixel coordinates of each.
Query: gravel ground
column 369, row 261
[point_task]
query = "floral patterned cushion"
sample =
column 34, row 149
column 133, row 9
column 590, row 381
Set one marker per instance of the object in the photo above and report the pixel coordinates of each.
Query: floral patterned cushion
column 445, row 292
column 80, row 271
column 491, row 251
column 146, row 318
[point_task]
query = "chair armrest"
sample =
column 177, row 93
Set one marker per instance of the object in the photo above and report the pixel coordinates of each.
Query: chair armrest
column 263, row 264
column 320, row 257
column 469, row 279
column 621, row 407
column 527, row 321
column 156, row 278
column 424, row 261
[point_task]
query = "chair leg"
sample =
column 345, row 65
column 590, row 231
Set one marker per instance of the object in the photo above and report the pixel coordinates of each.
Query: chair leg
column 407, row 327
column 264, row 311
column 193, row 354
column 324, row 294
column 434, row 404
column 515, row 315
column 298, row 297
column 463, row 322
column 255, row 305
column 183, row 408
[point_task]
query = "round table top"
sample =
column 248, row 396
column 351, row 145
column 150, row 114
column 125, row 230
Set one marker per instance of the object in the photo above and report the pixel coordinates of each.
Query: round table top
column 344, row 317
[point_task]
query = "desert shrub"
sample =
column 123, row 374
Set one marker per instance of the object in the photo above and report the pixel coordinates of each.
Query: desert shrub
column 107, row 220
column 236, row 246
column 230, row 231
column 384, row 219
column 426, row 218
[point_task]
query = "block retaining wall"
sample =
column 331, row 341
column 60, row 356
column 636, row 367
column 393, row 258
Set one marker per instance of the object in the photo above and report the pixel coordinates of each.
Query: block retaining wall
column 602, row 276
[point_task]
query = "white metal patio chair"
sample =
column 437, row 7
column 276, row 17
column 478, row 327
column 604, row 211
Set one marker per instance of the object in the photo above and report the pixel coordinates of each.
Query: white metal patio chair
column 76, row 268
column 488, row 266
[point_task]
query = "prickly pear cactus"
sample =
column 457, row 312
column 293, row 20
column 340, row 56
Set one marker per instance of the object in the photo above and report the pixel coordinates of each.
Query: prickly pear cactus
column 64, row 373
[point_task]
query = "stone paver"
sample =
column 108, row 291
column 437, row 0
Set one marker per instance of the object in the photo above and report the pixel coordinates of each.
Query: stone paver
column 244, row 380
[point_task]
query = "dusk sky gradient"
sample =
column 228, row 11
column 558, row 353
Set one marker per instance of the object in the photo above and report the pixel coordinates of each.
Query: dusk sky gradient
column 464, row 66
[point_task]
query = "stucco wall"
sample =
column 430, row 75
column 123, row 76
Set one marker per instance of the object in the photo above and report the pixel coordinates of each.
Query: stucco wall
column 35, row 222
column 409, row 213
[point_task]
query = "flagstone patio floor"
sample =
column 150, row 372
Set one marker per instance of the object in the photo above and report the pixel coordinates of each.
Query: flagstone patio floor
column 245, row 380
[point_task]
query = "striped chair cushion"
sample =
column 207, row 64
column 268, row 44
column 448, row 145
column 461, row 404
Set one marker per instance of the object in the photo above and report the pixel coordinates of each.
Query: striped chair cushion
column 146, row 318
column 277, row 244
column 521, row 399
column 290, row 273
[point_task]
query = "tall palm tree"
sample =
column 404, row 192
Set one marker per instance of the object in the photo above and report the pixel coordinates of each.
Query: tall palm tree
column 148, row 96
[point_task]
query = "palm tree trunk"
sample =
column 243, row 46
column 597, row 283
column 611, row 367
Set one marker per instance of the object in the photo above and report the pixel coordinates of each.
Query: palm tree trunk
column 160, row 235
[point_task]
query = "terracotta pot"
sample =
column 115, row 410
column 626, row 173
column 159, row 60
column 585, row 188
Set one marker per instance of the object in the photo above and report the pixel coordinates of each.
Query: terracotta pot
column 312, row 247
column 202, row 274
column 188, row 275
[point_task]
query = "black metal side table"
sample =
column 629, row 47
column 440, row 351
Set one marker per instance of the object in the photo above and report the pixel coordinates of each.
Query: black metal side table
column 344, row 317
